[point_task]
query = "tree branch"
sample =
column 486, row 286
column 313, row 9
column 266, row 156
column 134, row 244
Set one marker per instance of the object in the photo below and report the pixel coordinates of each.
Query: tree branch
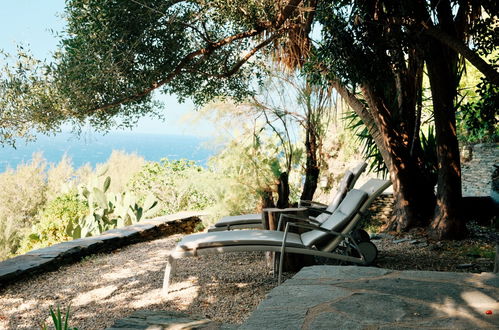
column 361, row 110
column 282, row 17
column 461, row 48
column 178, row 69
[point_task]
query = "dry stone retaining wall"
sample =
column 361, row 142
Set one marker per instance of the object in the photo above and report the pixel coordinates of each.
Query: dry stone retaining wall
column 478, row 164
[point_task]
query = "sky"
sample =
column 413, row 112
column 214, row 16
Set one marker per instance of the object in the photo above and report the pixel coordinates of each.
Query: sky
column 34, row 23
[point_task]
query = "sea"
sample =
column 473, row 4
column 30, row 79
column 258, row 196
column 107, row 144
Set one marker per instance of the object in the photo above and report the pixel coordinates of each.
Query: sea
column 96, row 148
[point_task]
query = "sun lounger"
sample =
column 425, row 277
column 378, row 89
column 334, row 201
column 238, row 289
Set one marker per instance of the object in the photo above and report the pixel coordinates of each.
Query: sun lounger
column 255, row 220
column 323, row 240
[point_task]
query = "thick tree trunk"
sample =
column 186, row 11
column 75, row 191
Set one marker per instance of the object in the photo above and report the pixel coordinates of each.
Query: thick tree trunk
column 312, row 170
column 442, row 70
column 413, row 193
column 412, row 187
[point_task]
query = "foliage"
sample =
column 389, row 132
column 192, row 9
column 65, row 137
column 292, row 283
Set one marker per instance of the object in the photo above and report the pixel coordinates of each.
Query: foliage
column 177, row 185
column 123, row 166
column 28, row 98
column 295, row 108
column 108, row 210
column 369, row 149
column 479, row 119
column 53, row 222
column 59, row 323
column 262, row 136
column 22, row 194
column 38, row 200
column 477, row 250
column 373, row 156
column 61, row 178
column 250, row 167
column 104, row 61
column 429, row 147
column 113, row 57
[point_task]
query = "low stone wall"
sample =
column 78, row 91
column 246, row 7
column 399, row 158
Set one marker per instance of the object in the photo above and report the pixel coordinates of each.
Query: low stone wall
column 478, row 164
column 52, row 257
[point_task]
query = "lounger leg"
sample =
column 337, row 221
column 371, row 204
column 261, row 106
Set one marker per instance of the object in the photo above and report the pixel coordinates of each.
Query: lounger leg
column 170, row 269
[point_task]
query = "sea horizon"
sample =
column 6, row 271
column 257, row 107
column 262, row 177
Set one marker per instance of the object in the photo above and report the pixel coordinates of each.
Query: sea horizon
column 94, row 148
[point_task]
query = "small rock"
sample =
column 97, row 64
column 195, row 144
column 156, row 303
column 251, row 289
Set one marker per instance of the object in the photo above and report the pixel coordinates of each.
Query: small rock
column 435, row 247
column 473, row 255
column 464, row 266
column 397, row 241
column 383, row 235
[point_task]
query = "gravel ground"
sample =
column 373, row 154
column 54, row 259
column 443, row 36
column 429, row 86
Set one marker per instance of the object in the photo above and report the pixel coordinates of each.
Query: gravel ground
column 106, row 287
column 225, row 288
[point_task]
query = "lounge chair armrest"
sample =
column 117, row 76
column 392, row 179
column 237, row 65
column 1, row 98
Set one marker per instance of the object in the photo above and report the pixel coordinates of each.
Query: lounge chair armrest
column 308, row 203
column 314, row 227
column 319, row 210
column 295, row 218
column 288, row 209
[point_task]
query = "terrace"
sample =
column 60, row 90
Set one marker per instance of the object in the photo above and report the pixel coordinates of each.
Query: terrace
column 117, row 284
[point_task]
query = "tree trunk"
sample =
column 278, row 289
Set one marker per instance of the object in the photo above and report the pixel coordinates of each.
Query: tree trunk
column 412, row 186
column 266, row 199
column 448, row 222
column 283, row 191
column 412, row 189
column 312, row 170
column 413, row 193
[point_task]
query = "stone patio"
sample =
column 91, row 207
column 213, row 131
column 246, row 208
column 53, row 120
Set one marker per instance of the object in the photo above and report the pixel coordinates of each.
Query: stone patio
column 352, row 297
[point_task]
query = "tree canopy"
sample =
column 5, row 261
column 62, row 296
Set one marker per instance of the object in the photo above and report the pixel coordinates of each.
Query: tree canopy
column 115, row 54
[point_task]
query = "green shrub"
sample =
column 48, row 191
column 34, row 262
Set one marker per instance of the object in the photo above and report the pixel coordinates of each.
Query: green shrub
column 53, row 221
column 178, row 185
column 22, row 194
column 121, row 166
column 60, row 178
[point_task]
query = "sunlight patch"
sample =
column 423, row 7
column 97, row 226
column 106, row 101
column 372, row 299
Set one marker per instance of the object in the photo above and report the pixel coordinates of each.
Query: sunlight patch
column 95, row 295
column 479, row 301
column 119, row 274
column 146, row 299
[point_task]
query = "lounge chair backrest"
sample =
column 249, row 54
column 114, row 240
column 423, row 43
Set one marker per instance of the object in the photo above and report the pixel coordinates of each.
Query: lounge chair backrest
column 357, row 171
column 373, row 188
column 336, row 221
column 338, row 196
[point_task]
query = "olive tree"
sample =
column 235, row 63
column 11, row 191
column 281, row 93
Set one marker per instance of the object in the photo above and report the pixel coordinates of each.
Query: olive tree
column 115, row 54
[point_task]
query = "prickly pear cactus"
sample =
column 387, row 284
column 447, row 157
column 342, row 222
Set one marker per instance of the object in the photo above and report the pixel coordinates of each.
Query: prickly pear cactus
column 108, row 210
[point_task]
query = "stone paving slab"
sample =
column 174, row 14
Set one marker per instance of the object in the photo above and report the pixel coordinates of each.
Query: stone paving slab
column 159, row 320
column 52, row 257
column 352, row 297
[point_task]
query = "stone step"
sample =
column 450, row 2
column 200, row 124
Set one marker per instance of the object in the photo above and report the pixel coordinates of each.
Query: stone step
column 150, row 319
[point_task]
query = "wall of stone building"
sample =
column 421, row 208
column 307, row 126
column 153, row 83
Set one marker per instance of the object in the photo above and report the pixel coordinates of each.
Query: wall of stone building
column 478, row 164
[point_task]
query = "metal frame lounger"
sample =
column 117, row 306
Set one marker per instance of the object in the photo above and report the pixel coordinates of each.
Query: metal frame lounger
column 255, row 220
column 320, row 241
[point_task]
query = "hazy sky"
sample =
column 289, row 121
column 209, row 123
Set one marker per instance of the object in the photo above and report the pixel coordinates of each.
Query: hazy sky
column 31, row 23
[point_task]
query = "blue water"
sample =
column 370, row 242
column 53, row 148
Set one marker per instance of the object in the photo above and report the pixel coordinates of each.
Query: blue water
column 96, row 148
